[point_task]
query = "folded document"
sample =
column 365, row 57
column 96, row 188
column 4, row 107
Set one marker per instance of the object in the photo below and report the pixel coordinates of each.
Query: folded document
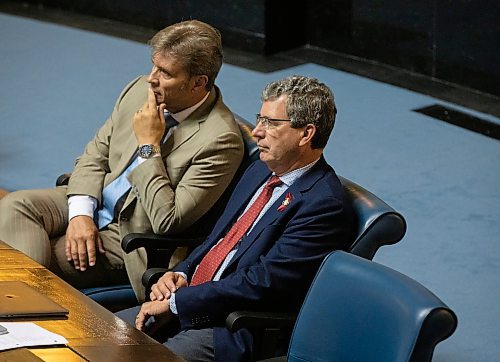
column 25, row 334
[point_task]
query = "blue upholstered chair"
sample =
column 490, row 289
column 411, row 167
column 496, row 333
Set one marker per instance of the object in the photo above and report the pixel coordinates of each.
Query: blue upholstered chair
column 376, row 224
column 359, row 310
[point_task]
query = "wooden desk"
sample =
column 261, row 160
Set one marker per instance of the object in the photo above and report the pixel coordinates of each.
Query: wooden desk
column 93, row 332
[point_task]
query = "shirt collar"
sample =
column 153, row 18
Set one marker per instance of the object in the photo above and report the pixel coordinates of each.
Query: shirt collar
column 182, row 115
column 290, row 177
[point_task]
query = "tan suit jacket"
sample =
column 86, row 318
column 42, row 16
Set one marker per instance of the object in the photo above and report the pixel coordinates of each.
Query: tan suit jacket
column 169, row 193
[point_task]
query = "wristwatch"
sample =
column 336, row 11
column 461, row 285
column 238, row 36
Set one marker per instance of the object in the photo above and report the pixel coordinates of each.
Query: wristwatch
column 147, row 151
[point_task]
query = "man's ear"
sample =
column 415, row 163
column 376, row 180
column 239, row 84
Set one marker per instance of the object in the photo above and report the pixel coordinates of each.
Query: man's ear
column 200, row 81
column 308, row 134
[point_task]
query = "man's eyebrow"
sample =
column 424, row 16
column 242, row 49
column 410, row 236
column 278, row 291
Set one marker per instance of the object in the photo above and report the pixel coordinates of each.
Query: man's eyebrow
column 159, row 67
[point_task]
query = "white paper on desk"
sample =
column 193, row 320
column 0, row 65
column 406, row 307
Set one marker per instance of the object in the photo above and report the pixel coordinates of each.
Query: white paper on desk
column 25, row 334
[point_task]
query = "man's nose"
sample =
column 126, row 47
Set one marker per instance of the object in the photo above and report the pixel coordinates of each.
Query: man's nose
column 259, row 131
column 152, row 77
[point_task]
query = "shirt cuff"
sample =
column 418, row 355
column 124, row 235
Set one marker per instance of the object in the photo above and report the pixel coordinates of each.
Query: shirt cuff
column 81, row 205
column 181, row 274
column 142, row 159
column 173, row 306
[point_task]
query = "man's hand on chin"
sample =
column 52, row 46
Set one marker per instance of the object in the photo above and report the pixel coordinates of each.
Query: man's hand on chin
column 159, row 309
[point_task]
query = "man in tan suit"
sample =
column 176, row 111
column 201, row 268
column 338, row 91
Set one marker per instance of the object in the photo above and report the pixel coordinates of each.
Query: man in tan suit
column 137, row 171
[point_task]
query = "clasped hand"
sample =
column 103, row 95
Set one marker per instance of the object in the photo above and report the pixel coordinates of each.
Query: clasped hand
column 166, row 285
column 159, row 306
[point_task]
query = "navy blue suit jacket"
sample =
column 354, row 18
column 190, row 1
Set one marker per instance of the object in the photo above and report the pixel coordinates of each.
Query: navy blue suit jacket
column 275, row 263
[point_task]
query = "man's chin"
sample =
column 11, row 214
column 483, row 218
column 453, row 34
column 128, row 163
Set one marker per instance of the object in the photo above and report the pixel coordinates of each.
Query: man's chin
column 263, row 155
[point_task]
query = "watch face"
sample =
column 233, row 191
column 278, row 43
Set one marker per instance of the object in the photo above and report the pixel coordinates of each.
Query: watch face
column 145, row 151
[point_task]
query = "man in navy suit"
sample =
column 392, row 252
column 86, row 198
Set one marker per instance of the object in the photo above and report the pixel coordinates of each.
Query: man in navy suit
column 279, row 240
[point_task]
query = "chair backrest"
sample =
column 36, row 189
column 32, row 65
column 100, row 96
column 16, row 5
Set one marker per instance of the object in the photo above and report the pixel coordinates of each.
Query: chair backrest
column 358, row 310
column 376, row 223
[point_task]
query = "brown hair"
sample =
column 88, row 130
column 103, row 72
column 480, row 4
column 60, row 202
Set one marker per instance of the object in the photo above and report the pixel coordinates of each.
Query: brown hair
column 197, row 45
column 308, row 101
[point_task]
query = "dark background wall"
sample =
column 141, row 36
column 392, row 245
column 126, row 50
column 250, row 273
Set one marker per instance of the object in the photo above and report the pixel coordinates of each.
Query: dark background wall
column 452, row 40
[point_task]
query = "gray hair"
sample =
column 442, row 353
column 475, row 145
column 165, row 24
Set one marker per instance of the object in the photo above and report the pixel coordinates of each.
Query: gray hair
column 197, row 45
column 308, row 101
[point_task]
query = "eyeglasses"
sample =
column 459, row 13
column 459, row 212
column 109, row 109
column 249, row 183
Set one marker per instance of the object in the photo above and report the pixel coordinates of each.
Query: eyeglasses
column 267, row 122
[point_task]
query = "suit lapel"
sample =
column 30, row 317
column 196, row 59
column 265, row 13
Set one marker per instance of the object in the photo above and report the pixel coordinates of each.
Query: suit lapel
column 191, row 125
column 267, row 219
column 297, row 190
column 240, row 197
column 245, row 189
column 184, row 131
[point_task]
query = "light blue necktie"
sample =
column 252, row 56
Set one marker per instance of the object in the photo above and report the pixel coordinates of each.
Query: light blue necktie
column 113, row 192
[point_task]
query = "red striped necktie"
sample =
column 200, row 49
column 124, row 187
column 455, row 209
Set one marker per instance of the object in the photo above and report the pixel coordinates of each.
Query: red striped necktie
column 214, row 258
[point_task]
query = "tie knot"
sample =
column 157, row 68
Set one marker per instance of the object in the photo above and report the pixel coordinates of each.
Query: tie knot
column 169, row 121
column 273, row 182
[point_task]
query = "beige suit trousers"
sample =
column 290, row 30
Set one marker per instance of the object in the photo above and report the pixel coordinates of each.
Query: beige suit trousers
column 35, row 222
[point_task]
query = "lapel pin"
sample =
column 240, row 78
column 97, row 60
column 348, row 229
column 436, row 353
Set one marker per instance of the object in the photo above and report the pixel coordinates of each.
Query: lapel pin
column 286, row 201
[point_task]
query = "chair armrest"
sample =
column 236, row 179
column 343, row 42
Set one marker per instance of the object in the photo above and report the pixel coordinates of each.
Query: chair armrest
column 259, row 320
column 153, row 241
column 63, row 179
column 159, row 248
column 271, row 331
column 151, row 276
